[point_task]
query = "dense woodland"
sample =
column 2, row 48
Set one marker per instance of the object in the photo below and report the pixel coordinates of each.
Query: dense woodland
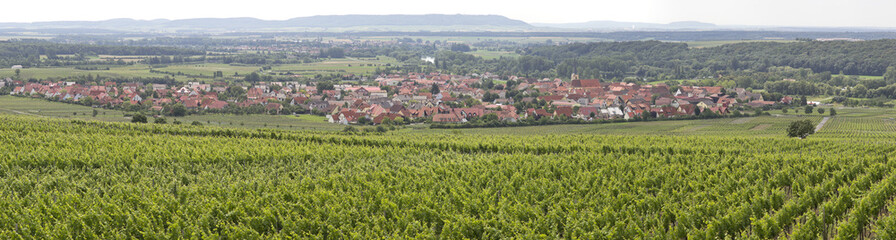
column 663, row 60
column 28, row 54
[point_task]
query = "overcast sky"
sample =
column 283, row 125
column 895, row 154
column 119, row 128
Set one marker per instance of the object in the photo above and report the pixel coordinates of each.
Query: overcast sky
column 853, row 13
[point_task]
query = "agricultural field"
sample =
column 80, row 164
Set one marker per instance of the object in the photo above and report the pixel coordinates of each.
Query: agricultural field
column 357, row 66
column 861, row 77
column 44, row 108
column 708, row 44
column 138, row 70
column 124, row 180
column 472, row 40
column 66, row 173
column 489, row 54
column 765, row 126
column 205, row 71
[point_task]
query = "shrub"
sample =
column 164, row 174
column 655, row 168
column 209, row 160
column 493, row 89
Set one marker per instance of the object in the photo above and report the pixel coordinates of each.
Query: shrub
column 800, row 129
column 138, row 118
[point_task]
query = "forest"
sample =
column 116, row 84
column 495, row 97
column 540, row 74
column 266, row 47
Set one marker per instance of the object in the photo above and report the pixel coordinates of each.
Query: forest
column 28, row 53
column 657, row 60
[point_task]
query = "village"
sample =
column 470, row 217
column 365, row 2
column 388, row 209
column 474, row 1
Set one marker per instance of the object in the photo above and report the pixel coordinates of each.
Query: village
column 414, row 97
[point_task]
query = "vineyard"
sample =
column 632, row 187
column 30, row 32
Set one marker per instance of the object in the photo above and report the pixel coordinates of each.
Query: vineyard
column 71, row 178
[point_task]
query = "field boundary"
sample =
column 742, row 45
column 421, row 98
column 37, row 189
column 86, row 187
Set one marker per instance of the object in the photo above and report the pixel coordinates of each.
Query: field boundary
column 821, row 124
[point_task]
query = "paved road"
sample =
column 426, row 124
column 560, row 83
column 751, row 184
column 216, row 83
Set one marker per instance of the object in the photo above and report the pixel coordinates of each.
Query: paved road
column 821, row 124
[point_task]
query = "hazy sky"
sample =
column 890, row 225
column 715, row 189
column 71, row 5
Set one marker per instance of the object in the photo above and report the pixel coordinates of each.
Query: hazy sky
column 872, row 13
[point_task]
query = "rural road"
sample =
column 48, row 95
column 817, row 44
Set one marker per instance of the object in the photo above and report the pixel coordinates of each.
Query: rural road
column 821, row 124
column 20, row 112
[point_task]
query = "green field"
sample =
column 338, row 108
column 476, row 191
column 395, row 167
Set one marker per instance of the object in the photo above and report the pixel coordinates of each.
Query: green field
column 471, row 40
column 861, row 77
column 61, row 72
column 208, row 69
column 205, row 71
column 487, row 54
column 707, row 44
column 337, row 66
column 44, row 108
column 764, row 126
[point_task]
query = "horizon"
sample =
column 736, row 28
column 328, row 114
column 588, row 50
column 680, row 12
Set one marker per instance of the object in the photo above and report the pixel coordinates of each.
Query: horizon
column 800, row 13
column 534, row 24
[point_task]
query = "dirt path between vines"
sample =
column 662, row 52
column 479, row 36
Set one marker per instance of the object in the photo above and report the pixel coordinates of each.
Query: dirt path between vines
column 821, row 124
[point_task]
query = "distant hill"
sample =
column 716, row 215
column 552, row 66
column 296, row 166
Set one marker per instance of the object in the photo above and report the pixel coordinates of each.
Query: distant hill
column 401, row 20
column 346, row 22
column 613, row 25
column 385, row 23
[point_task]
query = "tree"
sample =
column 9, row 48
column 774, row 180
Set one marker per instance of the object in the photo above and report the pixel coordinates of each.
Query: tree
column 252, row 77
column 178, row 110
column 784, row 110
column 321, row 86
column 95, row 112
column 435, row 89
column 808, row 110
column 139, row 118
column 336, row 52
column 160, row 121
column 860, row 90
column 890, row 75
column 365, row 121
column 460, row 47
column 801, row 129
column 803, row 101
column 820, row 110
column 833, row 112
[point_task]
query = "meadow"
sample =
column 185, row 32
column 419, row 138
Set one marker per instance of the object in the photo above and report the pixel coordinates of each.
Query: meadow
column 764, row 126
column 472, row 40
column 708, row 44
column 491, row 54
column 45, row 108
column 205, row 71
column 357, row 66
